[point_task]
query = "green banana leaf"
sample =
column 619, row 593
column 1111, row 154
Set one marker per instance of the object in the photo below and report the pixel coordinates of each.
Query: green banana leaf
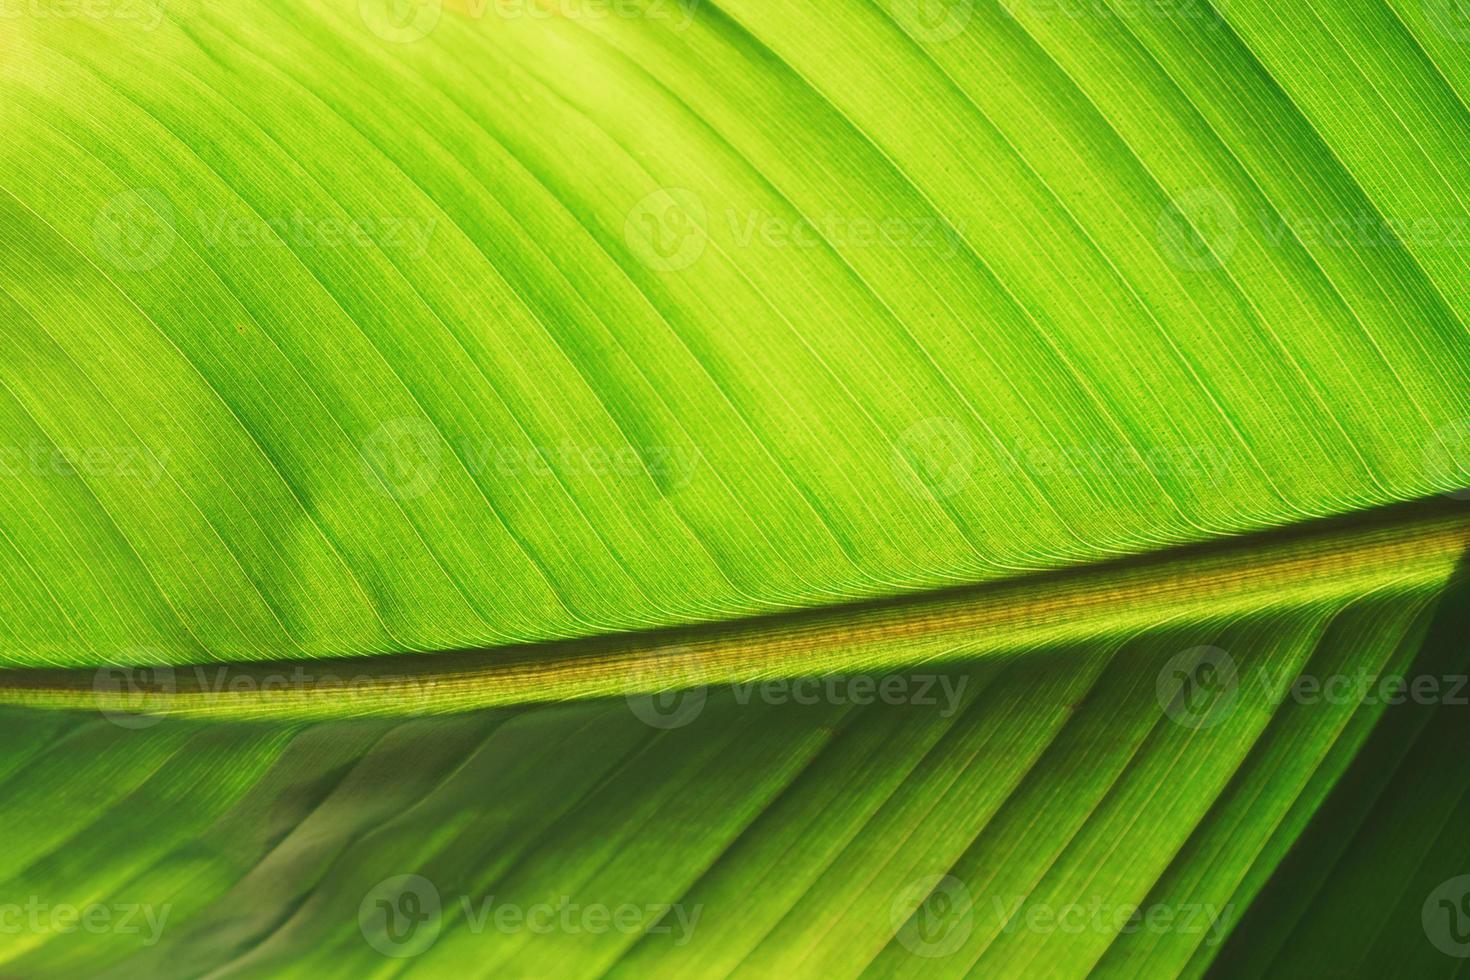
column 540, row 488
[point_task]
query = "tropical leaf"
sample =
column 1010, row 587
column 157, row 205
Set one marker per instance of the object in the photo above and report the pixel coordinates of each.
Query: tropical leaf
column 582, row 487
column 1007, row 818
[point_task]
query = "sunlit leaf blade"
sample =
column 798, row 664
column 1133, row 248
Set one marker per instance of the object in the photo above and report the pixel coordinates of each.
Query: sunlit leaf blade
column 733, row 488
column 323, row 343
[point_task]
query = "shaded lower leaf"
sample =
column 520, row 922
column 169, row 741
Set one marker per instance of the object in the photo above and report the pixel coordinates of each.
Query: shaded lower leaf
column 1050, row 814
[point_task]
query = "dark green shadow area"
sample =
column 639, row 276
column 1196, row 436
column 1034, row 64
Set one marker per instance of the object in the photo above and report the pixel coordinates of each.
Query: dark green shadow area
column 1378, row 885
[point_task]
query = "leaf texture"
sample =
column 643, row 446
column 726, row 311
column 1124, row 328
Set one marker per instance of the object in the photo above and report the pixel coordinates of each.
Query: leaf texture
column 323, row 344
column 789, row 837
column 734, row 488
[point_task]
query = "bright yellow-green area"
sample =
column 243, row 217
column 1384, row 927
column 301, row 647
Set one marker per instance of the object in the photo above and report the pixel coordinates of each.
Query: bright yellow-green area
column 332, row 333
column 334, row 328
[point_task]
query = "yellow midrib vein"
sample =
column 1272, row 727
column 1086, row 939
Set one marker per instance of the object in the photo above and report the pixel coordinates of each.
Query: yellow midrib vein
column 1413, row 547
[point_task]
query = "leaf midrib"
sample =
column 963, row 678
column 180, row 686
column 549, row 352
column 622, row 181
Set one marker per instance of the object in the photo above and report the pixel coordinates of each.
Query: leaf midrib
column 1410, row 547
